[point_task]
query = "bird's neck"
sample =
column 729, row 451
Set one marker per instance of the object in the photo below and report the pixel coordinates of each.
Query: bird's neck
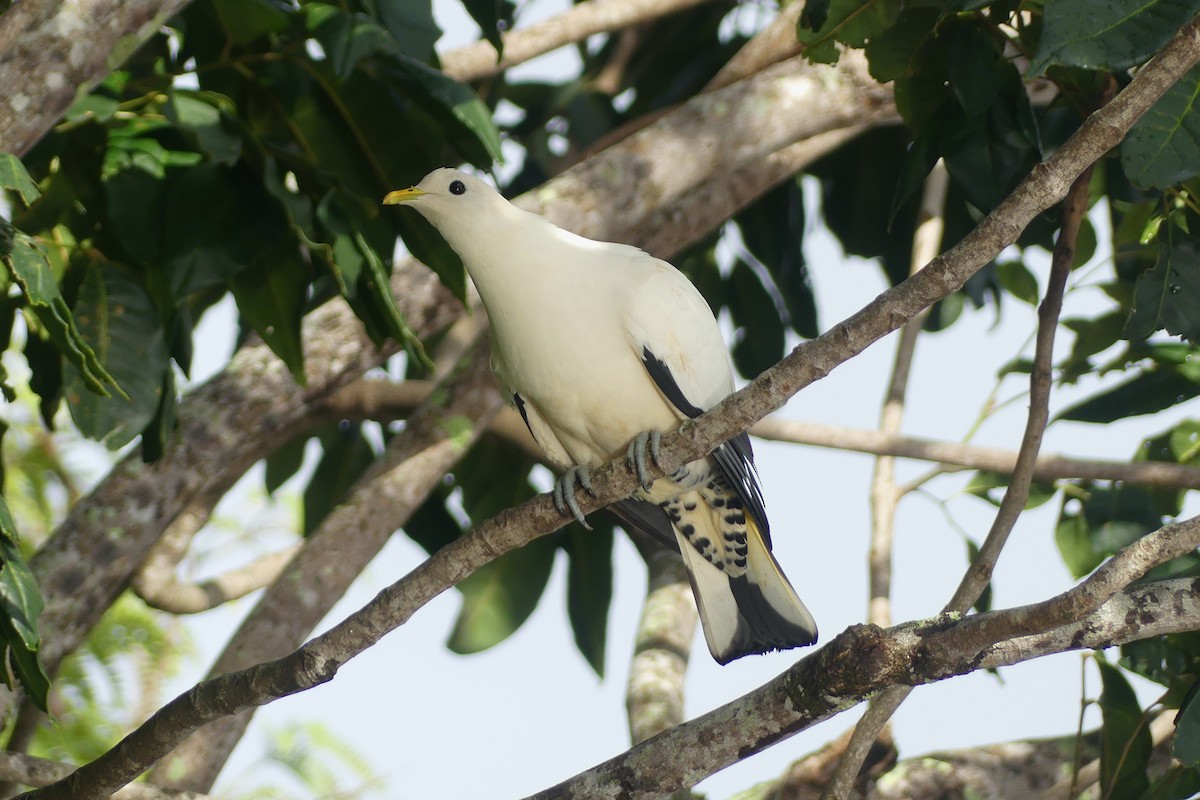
column 507, row 269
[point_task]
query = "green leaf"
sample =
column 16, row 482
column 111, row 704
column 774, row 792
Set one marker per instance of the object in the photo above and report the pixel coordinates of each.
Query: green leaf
column 1146, row 392
column 95, row 107
column 1168, row 295
column 157, row 434
column 1186, row 746
column 271, row 295
column 589, row 589
column 1163, row 147
column 117, row 316
column 347, row 38
column 218, row 221
column 246, row 20
column 346, row 454
column 1124, row 737
column 200, row 115
column 1109, row 35
column 284, row 463
column 1178, row 783
column 29, row 268
column 133, row 208
column 1106, row 520
column 984, row 603
column 983, row 484
column 1018, row 281
column 22, row 604
column 773, row 231
column 1092, row 336
column 851, row 22
column 467, row 120
column 361, row 276
column 493, row 17
column 760, row 333
column 893, row 53
column 413, row 24
column 500, row 596
column 14, row 176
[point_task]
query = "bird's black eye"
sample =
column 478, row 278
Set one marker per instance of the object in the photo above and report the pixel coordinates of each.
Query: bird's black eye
column 457, row 187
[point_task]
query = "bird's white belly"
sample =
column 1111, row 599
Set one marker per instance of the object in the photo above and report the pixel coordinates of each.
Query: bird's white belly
column 582, row 375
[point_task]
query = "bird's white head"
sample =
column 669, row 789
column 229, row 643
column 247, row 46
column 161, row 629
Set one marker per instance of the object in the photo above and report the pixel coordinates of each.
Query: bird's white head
column 449, row 198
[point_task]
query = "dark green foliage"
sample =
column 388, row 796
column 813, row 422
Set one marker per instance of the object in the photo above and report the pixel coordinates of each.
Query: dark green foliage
column 499, row 597
column 1107, row 34
column 345, row 455
column 20, row 605
column 1167, row 296
column 1125, row 737
column 1098, row 520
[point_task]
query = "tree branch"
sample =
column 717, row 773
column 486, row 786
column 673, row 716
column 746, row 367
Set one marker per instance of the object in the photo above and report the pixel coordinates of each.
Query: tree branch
column 163, row 590
column 480, row 59
column 979, row 573
column 654, row 696
column 33, row 771
column 51, row 52
column 865, row 659
column 885, row 496
column 391, row 489
column 955, row 455
column 384, row 401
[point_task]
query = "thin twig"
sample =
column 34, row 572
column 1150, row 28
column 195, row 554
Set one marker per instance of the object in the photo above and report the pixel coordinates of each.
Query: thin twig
column 166, row 592
column 1012, row 505
column 384, row 401
column 884, row 493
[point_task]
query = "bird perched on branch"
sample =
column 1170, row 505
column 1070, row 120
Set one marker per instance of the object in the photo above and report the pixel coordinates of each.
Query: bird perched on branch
column 601, row 348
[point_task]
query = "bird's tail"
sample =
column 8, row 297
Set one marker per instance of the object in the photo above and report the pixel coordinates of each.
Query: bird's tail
column 755, row 612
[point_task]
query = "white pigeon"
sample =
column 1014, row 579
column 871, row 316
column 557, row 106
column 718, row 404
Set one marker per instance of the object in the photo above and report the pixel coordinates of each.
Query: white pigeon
column 602, row 347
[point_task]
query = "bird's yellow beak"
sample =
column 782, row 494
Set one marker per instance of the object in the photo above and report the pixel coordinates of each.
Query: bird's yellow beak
column 402, row 196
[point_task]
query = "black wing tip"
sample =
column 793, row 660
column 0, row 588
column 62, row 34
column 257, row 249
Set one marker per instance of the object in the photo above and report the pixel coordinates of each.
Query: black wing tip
column 752, row 646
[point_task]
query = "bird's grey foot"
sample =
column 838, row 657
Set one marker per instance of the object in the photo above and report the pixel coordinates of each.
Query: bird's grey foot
column 636, row 454
column 564, row 493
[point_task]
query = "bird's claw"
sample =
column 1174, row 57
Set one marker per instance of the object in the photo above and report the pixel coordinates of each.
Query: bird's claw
column 564, row 493
column 636, row 455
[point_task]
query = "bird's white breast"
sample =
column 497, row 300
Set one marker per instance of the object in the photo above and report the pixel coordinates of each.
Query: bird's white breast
column 562, row 342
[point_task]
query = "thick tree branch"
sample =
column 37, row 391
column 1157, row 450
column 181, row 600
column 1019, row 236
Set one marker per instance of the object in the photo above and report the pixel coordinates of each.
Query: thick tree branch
column 864, row 653
column 51, row 52
column 706, row 138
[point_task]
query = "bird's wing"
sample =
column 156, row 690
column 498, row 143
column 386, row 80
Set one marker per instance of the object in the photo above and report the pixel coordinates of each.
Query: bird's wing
column 681, row 347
